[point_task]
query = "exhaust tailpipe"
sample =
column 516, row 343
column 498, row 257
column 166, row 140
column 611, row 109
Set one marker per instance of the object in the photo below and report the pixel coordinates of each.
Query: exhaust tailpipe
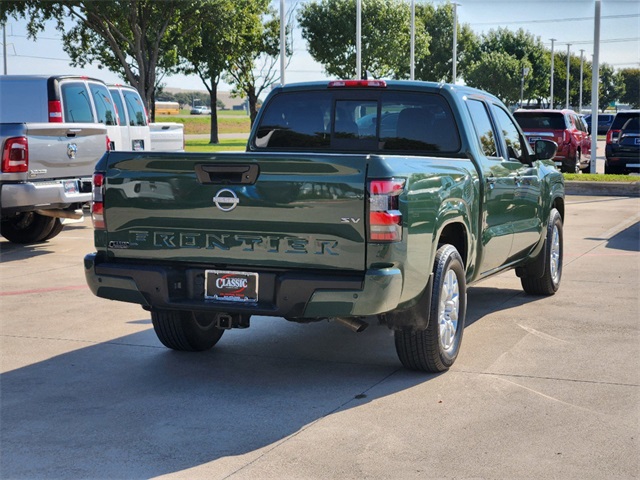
column 73, row 215
column 355, row 324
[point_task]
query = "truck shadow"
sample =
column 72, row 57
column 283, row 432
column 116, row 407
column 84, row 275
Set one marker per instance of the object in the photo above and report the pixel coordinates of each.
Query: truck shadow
column 129, row 408
column 627, row 240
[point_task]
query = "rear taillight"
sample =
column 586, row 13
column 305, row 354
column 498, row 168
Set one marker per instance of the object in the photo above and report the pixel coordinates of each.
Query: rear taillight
column 55, row 111
column 612, row 136
column 567, row 136
column 97, row 202
column 110, row 145
column 385, row 219
column 15, row 155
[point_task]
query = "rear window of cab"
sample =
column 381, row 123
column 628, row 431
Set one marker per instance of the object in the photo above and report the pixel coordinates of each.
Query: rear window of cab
column 541, row 120
column 380, row 121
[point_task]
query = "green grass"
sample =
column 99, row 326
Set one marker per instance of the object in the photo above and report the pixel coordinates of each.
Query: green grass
column 224, row 145
column 198, row 124
column 600, row 177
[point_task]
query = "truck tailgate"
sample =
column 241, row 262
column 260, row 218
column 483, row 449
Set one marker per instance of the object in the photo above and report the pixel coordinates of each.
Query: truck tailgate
column 64, row 150
column 257, row 209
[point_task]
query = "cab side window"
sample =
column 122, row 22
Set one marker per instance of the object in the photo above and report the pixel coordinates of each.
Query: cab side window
column 483, row 128
column 516, row 146
column 75, row 103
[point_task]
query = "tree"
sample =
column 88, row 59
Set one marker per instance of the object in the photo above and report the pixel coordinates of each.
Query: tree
column 498, row 73
column 525, row 49
column 438, row 23
column 611, row 87
column 560, row 80
column 329, row 27
column 133, row 38
column 254, row 69
column 631, row 80
column 211, row 49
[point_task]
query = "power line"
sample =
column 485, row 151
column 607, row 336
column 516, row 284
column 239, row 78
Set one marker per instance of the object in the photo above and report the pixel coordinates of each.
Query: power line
column 554, row 20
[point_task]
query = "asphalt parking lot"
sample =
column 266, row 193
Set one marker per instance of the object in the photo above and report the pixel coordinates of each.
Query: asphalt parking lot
column 543, row 388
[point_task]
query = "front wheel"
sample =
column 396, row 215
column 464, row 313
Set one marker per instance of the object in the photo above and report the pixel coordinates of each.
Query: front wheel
column 549, row 282
column 436, row 348
column 185, row 330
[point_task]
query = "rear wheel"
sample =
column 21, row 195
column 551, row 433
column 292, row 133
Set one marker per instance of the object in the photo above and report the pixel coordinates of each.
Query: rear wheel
column 436, row 348
column 549, row 282
column 55, row 230
column 185, row 330
column 27, row 227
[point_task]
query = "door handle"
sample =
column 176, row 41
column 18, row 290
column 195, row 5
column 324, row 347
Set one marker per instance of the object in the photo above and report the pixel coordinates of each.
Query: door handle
column 491, row 182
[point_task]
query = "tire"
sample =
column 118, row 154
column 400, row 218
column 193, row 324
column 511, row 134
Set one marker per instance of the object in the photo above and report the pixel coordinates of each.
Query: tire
column 55, row 230
column 435, row 349
column 27, row 227
column 552, row 251
column 185, row 330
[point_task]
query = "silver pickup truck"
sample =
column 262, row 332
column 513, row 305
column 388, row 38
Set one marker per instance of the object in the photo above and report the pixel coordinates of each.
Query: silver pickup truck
column 53, row 130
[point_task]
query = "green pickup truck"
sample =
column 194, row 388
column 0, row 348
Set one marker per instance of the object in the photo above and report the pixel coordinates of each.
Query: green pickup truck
column 354, row 201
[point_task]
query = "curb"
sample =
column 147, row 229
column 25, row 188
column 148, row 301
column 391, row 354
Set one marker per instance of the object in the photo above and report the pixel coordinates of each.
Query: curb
column 608, row 189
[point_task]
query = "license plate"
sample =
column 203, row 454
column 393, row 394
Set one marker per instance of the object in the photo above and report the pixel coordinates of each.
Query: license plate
column 636, row 141
column 533, row 139
column 71, row 186
column 227, row 286
column 137, row 145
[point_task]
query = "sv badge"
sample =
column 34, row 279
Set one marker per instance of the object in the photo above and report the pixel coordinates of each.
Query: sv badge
column 349, row 220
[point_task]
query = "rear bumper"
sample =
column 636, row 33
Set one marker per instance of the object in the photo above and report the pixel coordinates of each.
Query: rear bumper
column 45, row 194
column 622, row 160
column 299, row 294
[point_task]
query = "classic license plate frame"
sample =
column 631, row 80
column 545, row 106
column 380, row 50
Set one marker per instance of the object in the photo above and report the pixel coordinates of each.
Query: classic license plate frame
column 231, row 286
column 71, row 186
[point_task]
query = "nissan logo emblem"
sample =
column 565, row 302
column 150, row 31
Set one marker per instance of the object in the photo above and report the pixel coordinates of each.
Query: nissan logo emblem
column 226, row 200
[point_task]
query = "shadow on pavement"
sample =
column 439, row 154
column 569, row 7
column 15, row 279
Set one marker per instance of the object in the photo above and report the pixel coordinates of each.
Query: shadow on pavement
column 628, row 239
column 129, row 408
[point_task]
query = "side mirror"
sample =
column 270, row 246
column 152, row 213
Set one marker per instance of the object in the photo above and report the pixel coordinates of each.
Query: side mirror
column 545, row 149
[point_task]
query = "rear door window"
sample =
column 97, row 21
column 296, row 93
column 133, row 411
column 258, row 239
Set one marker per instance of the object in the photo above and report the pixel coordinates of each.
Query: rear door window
column 483, row 128
column 104, row 104
column 75, row 103
column 135, row 108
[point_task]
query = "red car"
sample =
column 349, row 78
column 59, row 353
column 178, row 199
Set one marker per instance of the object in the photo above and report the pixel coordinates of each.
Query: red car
column 566, row 128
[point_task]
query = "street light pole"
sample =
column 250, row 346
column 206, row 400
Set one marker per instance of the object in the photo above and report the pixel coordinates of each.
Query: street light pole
column 581, row 69
column 283, row 45
column 525, row 71
column 358, row 38
column 413, row 40
column 454, row 74
column 568, row 72
column 595, row 80
column 552, row 61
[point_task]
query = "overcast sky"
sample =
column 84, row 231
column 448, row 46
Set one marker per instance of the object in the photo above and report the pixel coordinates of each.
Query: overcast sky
column 568, row 21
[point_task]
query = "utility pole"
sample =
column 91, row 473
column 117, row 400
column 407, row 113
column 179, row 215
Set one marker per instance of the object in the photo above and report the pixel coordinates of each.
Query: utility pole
column 358, row 39
column 283, row 43
column 552, row 61
column 454, row 74
column 595, row 80
column 413, row 40
column 4, row 46
column 568, row 72
column 581, row 69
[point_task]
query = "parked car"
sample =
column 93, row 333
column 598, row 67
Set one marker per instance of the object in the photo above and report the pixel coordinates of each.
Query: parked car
column 200, row 110
column 53, row 130
column 604, row 122
column 566, row 128
column 622, row 150
column 134, row 131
